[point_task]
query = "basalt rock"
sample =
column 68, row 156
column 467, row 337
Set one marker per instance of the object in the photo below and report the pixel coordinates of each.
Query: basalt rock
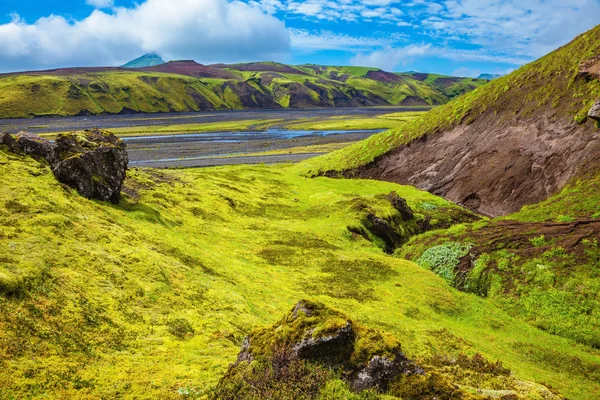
column 94, row 162
column 8, row 141
column 594, row 112
column 384, row 230
column 313, row 333
column 36, row 146
column 401, row 206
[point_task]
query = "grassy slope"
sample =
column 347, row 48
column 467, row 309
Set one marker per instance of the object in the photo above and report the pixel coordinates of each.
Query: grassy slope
column 119, row 91
column 549, row 83
column 93, row 295
column 540, row 264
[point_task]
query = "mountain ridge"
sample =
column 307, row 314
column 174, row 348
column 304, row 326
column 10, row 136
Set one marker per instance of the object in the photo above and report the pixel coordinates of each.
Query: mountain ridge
column 185, row 85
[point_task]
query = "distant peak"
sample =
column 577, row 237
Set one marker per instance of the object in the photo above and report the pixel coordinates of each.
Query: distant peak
column 147, row 60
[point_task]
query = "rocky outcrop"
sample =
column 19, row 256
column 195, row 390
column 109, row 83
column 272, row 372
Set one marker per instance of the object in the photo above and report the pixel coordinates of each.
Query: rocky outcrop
column 401, row 206
column 36, row 146
column 493, row 166
column 594, row 112
column 317, row 334
column 93, row 162
column 385, row 231
column 8, row 141
column 590, row 68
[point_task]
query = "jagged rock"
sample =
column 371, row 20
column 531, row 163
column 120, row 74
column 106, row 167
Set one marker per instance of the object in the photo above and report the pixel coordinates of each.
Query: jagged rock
column 314, row 333
column 93, row 162
column 33, row 145
column 594, row 112
column 590, row 68
column 7, row 140
column 382, row 229
column 401, row 206
column 331, row 349
column 381, row 370
column 244, row 354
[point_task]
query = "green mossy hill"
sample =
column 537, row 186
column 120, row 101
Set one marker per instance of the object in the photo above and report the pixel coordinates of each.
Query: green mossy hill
column 152, row 297
column 540, row 264
column 255, row 86
column 551, row 84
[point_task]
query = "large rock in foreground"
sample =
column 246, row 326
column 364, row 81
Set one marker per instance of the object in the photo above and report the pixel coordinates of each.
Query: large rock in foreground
column 35, row 146
column 94, row 162
column 8, row 141
column 315, row 334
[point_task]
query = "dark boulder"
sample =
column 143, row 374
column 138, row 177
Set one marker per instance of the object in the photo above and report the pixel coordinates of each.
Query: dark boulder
column 385, row 231
column 594, row 112
column 314, row 333
column 381, row 370
column 94, row 162
column 8, row 141
column 401, row 206
column 36, row 146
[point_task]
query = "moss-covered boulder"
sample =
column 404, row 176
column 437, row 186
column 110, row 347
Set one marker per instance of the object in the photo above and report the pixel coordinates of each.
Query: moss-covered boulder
column 10, row 143
column 94, row 162
column 318, row 337
column 35, row 146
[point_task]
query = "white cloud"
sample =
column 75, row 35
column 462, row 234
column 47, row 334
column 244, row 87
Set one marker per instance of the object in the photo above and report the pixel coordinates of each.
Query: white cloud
column 528, row 28
column 390, row 58
column 208, row 31
column 466, row 72
column 325, row 40
column 100, row 3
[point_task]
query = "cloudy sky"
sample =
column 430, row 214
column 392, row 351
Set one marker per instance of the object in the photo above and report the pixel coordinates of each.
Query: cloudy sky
column 460, row 37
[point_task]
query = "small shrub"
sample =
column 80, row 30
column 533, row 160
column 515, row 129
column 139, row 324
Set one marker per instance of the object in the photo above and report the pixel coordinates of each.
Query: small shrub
column 180, row 328
column 538, row 241
column 444, row 259
column 564, row 218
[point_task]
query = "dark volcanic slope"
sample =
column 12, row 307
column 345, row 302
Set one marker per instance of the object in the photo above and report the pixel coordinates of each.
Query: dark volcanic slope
column 190, row 68
column 513, row 142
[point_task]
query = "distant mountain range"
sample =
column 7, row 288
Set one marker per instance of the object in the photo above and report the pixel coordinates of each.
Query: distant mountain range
column 147, row 60
column 149, row 85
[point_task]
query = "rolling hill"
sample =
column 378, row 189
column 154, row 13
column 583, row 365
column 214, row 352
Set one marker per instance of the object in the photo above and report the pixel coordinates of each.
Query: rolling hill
column 189, row 86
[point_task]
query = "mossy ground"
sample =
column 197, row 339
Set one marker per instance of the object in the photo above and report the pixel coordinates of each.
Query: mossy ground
column 151, row 298
column 540, row 264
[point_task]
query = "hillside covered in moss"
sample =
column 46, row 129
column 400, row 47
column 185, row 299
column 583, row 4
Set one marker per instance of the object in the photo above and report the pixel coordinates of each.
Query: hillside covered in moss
column 153, row 297
column 529, row 131
column 180, row 86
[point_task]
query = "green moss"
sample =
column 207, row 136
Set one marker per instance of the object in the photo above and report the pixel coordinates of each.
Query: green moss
column 97, row 283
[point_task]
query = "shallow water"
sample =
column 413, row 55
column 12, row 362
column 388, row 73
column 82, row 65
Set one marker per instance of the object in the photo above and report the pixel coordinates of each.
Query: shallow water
column 237, row 137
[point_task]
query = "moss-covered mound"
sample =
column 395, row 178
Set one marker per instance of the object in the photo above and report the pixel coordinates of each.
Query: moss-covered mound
column 540, row 264
column 315, row 352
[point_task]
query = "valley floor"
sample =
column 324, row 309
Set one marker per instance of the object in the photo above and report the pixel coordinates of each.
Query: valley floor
column 151, row 298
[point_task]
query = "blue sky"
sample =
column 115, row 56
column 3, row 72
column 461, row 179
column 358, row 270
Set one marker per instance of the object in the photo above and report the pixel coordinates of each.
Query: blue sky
column 460, row 37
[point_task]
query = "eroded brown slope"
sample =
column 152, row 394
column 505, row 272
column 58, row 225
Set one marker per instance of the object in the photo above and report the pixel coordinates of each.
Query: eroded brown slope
column 493, row 168
column 513, row 142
